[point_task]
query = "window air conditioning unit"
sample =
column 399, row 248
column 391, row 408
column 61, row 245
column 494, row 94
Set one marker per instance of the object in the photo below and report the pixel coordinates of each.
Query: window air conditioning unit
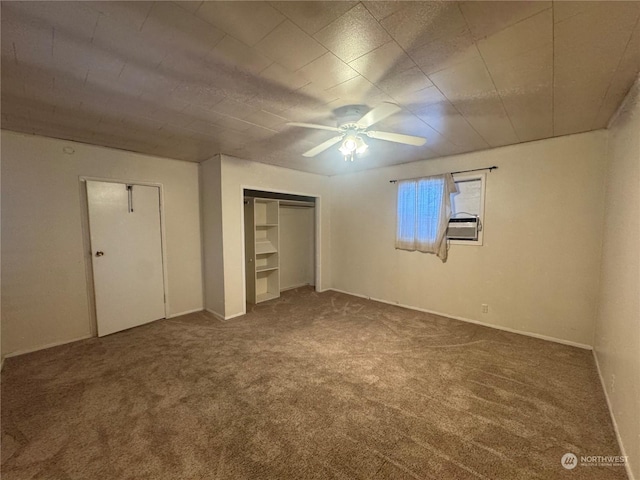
column 463, row 229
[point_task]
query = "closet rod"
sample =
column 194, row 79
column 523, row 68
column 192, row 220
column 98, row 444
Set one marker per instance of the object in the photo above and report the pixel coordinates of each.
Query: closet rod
column 461, row 171
column 297, row 203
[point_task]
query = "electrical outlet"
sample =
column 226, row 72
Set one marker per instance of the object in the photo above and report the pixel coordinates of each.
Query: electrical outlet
column 485, row 308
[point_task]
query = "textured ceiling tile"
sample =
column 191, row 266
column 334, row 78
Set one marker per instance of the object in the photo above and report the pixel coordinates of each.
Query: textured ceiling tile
column 249, row 22
column 358, row 90
column 290, row 46
column 382, row 9
column 531, row 113
column 277, row 99
column 128, row 14
column 204, row 96
column 572, row 115
column 99, row 62
column 524, row 36
column 16, row 106
column 526, row 72
column 234, row 109
column 404, row 122
column 229, row 80
column 447, row 121
column 423, row 22
column 173, row 118
column 73, row 18
column 464, row 81
column 439, row 144
column 13, row 84
column 353, row 34
column 566, row 9
column 382, row 62
column 427, row 96
column 485, row 19
column 135, row 78
column 125, row 43
column 73, row 57
column 625, row 75
column 278, row 75
column 328, row 71
column 445, row 52
column 25, row 39
column 258, row 132
column 312, row 16
column 166, row 82
column 312, row 115
column 266, row 119
column 176, row 29
column 236, row 54
column 597, row 31
column 404, row 83
column 318, row 94
column 191, row 6
column 587, row 51
column 205, row 127
column 489, row 118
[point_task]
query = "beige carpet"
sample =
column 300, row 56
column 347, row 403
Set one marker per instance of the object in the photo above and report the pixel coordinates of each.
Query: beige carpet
column 307, row 386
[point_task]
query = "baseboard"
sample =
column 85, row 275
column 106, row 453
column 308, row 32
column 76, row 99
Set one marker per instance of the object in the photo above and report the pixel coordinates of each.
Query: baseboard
column 222, row 317
column 296, row 286
column 173, row 315
column 469, row 320
column 44, row 347
column 613, row 419
column 215, row 314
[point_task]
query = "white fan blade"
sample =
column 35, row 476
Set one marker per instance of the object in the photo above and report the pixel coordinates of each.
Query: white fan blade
column 398, row 138
column 322, row 147
column 313, row 125
column 379, row 113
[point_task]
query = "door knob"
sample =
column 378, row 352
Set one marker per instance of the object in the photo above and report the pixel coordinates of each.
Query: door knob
column 99, row 254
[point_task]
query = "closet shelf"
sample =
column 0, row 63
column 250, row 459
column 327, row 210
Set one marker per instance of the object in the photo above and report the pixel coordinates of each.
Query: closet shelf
column 265, row 246
column 263, row 297
column 261, row 217
column 265, row 268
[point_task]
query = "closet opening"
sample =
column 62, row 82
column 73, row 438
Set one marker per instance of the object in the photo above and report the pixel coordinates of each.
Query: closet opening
column 280, row 243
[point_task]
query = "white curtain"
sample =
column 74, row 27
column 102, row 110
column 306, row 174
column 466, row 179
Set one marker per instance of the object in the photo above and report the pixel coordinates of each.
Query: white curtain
column 424, row 210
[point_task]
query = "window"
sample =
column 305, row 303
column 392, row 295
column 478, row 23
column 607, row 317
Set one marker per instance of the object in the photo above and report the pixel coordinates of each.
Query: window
column 423, row 209
column 467, row 204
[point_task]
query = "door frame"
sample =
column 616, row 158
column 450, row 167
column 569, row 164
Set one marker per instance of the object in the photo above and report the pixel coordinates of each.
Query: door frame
column 317, row 255
column 88, row 251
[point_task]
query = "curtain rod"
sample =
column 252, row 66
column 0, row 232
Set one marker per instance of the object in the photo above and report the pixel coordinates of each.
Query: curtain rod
column 462, row 171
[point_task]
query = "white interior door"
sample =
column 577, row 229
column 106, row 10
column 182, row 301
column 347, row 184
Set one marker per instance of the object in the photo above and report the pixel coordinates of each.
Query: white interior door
column 126, row 245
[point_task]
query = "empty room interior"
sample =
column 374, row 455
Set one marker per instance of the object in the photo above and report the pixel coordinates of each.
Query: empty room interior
column 318, row 240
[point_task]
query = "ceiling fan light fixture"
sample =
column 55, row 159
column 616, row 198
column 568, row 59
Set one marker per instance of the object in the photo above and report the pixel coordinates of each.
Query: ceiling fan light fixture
column 351, row 131
column 349, row 145
column 361, row 147
column 352, row 145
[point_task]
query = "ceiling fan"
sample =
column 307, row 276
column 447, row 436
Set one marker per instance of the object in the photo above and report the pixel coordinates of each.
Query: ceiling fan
column 353, row 125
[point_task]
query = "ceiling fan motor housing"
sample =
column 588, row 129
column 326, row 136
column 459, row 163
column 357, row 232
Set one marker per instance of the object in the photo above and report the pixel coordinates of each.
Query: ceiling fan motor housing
column 349, row 114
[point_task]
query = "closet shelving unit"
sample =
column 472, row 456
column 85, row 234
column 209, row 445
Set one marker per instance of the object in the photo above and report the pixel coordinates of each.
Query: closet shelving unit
column 262, row 242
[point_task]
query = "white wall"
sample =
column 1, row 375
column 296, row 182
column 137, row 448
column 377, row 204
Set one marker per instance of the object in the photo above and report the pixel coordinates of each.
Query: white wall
column 236, row 175
column 538, row 268
column 296, row 246
column 44, row 286
column 213, row 254
column 617, row 339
